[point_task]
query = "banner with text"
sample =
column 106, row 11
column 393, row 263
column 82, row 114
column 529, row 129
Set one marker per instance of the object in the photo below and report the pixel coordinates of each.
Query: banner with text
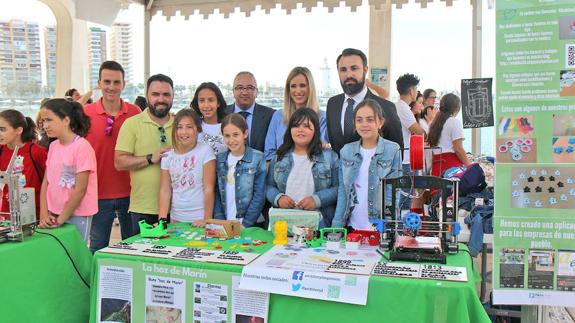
column 534, row 243
column 134, row 291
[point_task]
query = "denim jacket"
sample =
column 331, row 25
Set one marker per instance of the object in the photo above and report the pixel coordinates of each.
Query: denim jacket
column 250, row 176
column 324, row 169
column 385, row 163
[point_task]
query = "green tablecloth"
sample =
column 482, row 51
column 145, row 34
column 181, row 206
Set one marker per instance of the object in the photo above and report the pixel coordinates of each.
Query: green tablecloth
column 39, row 284
column 389, row 299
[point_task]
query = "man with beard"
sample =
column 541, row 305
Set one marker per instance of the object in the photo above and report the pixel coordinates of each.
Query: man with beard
column 352, row 69
column 142, row 141
column 107, row 115
column 257, row 116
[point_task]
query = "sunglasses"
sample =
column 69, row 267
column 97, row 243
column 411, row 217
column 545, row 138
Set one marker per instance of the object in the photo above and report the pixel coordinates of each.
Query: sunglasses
column 109, row 126
column 163, row 138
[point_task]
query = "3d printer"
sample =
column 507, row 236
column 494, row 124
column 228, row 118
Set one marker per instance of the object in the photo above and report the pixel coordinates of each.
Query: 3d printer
column 415, row 237
column 22, row 211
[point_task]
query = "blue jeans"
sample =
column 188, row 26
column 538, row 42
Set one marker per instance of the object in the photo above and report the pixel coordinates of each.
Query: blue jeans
column 405, row 201
column 83, row 224
column 102, row 223
column 480, row 221
column 136, row 217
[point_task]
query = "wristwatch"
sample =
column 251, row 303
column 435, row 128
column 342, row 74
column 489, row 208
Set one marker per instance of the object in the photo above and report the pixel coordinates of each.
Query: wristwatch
column 149, row 159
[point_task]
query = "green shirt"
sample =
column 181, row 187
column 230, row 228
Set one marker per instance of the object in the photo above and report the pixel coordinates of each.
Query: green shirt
column 141, row 136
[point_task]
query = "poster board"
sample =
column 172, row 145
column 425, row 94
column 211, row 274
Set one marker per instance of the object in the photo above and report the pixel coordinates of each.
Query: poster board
column 534, row 222
column 139, row 291
column 477, row 103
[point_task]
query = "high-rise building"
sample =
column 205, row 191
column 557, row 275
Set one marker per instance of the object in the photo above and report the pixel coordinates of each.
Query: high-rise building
column 325, row 77
column 50, row 46
column 121, row 48
column 20, row 65
column 96, row 52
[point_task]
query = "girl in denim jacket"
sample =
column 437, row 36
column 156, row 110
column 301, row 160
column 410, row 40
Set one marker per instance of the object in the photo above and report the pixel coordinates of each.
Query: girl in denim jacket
column 241, row 174
column 303, row 175
column 363, row 163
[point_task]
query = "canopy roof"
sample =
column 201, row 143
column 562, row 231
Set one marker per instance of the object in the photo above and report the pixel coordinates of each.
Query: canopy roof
column 168, row 8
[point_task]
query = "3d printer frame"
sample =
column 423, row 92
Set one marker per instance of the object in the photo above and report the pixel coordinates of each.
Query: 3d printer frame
column 395, row 227
column 20, row 225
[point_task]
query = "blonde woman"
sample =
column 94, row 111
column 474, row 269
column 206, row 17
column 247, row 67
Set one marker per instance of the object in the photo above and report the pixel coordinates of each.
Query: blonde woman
column 299, row 92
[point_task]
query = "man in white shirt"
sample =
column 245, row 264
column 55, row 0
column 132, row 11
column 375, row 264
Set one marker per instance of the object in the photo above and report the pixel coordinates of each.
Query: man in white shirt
column 407, row 88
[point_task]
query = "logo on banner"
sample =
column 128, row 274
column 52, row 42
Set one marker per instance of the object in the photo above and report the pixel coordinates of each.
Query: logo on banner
column 297, row 276
column 536, row 295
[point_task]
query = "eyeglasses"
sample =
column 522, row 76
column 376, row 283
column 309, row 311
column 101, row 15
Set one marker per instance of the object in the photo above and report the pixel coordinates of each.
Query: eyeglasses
column 109, row 126
column 249, row 88
column 162, row 134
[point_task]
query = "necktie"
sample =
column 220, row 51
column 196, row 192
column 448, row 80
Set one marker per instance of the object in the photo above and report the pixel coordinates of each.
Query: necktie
column 348, row 119
column 244, row 114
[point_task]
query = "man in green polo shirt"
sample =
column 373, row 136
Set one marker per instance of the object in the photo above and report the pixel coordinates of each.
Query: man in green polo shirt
column 142, row 141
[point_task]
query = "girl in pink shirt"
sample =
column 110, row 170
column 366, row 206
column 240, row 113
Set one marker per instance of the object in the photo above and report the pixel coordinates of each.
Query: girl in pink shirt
column 70, row 187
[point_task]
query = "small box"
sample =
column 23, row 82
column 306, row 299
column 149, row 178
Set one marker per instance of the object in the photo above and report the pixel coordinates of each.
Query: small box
column 222, row 228
column 294, row 217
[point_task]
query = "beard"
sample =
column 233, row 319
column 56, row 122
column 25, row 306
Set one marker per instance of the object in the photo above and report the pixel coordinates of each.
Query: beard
column 160, row 113
column 352, row 88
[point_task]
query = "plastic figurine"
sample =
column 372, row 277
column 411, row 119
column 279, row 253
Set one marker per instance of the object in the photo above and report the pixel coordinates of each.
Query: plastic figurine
column 280, row 232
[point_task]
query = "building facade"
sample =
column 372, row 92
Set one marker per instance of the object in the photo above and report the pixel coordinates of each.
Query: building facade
column 20, row 63
column 97, row 53
column 121, row 48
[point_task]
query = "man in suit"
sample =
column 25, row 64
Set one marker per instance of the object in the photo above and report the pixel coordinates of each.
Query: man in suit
column 257, row 116
column 352, row 69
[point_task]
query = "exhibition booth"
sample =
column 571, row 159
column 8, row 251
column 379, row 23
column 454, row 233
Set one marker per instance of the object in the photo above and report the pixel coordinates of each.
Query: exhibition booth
column 412, row 267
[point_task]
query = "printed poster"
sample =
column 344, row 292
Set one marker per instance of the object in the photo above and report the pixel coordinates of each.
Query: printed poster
column 139, row 291
column 534, row 220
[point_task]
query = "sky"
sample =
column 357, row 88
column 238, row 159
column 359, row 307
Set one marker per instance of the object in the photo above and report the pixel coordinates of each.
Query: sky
column 434, row 43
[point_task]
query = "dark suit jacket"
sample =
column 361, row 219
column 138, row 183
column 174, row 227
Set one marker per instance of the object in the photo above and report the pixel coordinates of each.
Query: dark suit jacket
column 260, row 123
column 391, row 128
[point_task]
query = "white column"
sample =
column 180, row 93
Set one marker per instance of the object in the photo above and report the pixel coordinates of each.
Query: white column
column 476, row 61
column 379, row 55
column 147, row 18
column 71, row 48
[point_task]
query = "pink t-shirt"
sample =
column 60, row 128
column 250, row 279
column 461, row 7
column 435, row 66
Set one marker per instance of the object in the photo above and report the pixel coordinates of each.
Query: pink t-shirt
column 64, row 162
